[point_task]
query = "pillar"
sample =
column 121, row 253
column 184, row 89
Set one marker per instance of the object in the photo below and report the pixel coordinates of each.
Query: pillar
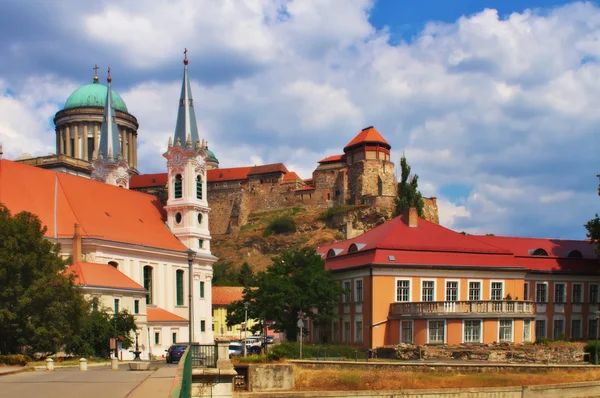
column 130, row 148
column 85, row 143
column 135, row 151
column 96, row 138
column 76, row 154
column 68, row 141
column 61, row 141
column 124, row 143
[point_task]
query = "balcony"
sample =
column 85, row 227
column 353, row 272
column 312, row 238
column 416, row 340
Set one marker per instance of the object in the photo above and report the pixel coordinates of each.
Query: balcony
column 474, row 309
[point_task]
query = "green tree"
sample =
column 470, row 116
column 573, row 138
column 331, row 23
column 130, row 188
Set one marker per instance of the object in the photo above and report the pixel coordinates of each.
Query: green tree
column 225, row 274
column 295, row 281
column 593, row 228
column 40, row 309
column 408, row 192
column 246, row 275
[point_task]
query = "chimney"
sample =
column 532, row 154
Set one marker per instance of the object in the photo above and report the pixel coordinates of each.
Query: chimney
column 411, row 217
column 76, row 244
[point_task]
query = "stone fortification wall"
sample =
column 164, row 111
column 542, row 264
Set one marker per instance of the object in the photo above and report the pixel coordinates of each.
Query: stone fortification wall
column 371, row 178
column 228, row 209
column 430, row 210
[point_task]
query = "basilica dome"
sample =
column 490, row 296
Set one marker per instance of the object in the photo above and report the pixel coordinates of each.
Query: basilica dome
column 94, row 95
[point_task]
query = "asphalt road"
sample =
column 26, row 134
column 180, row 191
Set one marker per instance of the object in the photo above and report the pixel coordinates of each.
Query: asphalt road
column 96, row 382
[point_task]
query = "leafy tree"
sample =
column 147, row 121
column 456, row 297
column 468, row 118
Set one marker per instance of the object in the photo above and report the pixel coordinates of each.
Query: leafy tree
column 593, row 228
column 246, row 275
column 296, row 280
column 40, row 309
column 225, row 274
column 408, row 192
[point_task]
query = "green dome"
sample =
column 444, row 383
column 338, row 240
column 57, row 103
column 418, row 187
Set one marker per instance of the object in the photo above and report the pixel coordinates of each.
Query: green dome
column 211, row 156
column 94, row 95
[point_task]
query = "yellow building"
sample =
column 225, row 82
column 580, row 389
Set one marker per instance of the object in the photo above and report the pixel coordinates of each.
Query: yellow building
column 222, row 296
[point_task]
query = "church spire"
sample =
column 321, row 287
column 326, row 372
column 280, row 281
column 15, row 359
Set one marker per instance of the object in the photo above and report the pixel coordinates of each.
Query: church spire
column 109, row 136
column 186, row 117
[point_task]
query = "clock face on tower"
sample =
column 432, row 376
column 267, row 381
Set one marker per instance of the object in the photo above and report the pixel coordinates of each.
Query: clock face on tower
column 177, row 158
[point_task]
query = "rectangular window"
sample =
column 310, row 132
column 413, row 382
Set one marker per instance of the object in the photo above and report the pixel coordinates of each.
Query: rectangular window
column 116, row 306
column 407, row 332
column 148, row 283
column 136, row 307
column 95, row 305
column 157, row 338
column 179, row 286
column 559, row 293
column 200, row 243
column 593, row 294
column 526, row 330
column 592, row 329
column 213, row 326
column 540, row 328
column 346, row 297
column 203, row 326
column 541, row 292
column 505, row 331
column 558, row 329
column 173, row 338
column 359, row 332
column 472, row 331
column 576, row 328
column 403, row 290
column 428, row 291
column 201, row 289
column 526, row 291
column 497, row 292
column 346, row 332
column 451, row 290
column 358, row 285
column 577, row 293
column 474, row 291
column 436, row 332
column 229, row 328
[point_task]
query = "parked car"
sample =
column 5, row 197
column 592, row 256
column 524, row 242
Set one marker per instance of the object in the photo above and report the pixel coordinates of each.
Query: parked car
column 235, row 349
column 270, row 340
column 175, row 352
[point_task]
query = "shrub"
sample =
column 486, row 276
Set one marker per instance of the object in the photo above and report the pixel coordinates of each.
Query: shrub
column 291, row 350
column 14, row 360
column 280, row 225
column 339, row 210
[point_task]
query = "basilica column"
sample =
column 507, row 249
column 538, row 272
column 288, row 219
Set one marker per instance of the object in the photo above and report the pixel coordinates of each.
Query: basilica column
column 135, row 151
column 96, row 138
column 61, row 141
column 76, row 141
column 85, row 143
column 68, row 141
column 130, row 147
column 124, row 143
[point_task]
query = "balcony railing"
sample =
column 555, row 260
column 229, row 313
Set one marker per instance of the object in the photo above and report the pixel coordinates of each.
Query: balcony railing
column 203, row 355
column 489, row 307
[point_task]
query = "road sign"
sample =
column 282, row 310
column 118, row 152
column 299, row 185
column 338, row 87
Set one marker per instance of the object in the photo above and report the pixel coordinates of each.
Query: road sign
column 300, row 323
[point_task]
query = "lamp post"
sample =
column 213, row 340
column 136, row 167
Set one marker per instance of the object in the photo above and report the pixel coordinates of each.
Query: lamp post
column 246, row 304
column 301, row 326
column 191, row 254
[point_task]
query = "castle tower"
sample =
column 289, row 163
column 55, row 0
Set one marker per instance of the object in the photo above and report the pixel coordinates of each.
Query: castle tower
column 371, row 178
column 108, row 164
column 187, row 205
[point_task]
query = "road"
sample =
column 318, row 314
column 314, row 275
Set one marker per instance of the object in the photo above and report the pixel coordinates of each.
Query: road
column 96, row 382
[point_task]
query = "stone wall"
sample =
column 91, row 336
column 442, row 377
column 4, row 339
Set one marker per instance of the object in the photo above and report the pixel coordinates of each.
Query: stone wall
column 430, row 210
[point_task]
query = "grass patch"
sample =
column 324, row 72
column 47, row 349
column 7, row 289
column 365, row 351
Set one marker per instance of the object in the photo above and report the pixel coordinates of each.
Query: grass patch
column 339, row 210
column 280, row 225
column 291, row 350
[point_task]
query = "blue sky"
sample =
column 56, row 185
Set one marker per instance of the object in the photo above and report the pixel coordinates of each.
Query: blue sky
column 495, row 104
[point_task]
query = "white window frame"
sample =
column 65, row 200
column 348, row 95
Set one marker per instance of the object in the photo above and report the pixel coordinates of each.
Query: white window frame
column 480, row 289
column 564, row 285
column 582, row 294
column 512, row 330
column 576, row 318
column 445, row 330
column 396, row 290
column 362, row 293
column 347, row 296
column 527, row 339
column 545, row 298
column 154, row 339
column 434, row 288
column 457, row 289
column 356, row 329
column 412, row 331
column 526, row 296
column 501, row 290
column 464, row 341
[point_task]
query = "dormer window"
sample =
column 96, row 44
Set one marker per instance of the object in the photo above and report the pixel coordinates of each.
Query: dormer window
column 539, row 252
column 178, row 186
column 355, row 247
column 333, row 252
column 114, row 264
column 575, row 254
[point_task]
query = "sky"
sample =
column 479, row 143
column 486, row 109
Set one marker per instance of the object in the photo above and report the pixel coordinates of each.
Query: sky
column 495, row 104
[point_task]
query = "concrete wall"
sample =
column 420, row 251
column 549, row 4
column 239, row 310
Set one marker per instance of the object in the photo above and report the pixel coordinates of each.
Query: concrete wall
column 276, row 377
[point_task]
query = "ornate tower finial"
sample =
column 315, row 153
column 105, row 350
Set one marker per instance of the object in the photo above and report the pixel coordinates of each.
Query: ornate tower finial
column 108, row 78
column 1, row 152
column 95, row 68
column 186, row 116
column 185, row 60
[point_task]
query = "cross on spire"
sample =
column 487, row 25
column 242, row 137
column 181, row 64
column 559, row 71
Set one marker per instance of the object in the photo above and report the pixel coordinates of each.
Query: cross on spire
column 109, row 79
column 95, row 68
column 185, row 60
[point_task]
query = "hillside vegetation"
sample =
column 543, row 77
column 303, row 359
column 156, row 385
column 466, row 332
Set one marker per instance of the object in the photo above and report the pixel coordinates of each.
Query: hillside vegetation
column 267, row 233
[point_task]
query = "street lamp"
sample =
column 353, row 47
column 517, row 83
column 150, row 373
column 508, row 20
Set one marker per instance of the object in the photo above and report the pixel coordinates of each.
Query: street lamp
column 191, row 254
column 246, row 304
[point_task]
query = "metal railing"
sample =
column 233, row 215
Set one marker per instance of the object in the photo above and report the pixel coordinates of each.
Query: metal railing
column 182, row 386
column 204, row 355
column 424, row 308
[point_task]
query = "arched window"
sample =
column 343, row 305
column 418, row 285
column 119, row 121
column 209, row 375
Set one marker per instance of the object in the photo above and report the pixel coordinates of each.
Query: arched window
column 353, row 248
column 178, row 186
column 331, row 253
column 114, row 264
column 148, row 283
column 198, row 187
column 575, row 254
column 540, row 252
column 179, row 286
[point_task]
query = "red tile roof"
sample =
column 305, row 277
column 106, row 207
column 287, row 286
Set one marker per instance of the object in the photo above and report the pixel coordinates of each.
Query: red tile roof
column 368, row 134
column 268, row 168
column 155, row 314
column 148, row 180
column 230, row 174
column 103, row 211
column 332, row 159
column 306, row 188
column 291, row 177
column 101, row 275
column 225, row 295
column 554, row 247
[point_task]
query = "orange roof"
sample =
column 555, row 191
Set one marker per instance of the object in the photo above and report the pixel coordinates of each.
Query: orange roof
column 103, row 211
column 101, row 275
column 333, row 159
column 291, row 177
column 148, row 180
column 230, row 174
column 368, row 134
column 155, row 314
column 225, row 295
column 306, row 188
column 268, row 168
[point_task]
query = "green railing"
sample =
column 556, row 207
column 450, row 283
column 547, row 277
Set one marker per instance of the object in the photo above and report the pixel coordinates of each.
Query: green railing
column 183, row 378
column 204, row 355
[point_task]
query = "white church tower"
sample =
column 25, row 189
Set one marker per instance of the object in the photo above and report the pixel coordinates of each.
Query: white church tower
column 187, row 204
column 108, row 165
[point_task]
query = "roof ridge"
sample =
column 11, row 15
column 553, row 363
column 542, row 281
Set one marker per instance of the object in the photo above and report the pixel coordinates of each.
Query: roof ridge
column 70, row 207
